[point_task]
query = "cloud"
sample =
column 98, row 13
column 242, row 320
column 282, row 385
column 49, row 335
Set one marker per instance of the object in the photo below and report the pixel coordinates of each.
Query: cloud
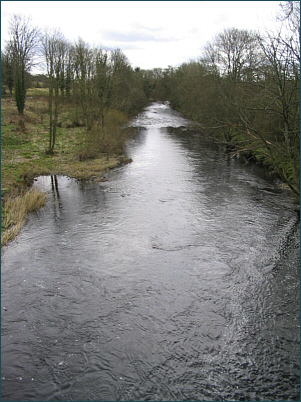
column 135, row 36
column 152, row 33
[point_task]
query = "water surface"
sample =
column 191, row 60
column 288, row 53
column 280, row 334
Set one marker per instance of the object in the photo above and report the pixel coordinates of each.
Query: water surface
column 177, row 279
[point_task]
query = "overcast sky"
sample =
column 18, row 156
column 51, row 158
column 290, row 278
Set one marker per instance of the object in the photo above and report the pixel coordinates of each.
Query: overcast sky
column 150, row 33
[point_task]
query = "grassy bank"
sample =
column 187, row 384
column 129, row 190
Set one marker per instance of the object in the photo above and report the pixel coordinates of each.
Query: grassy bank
column 78, row 154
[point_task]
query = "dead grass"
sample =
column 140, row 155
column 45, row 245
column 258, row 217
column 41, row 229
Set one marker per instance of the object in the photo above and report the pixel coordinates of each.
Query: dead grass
column 90, row 169
column 14, row 212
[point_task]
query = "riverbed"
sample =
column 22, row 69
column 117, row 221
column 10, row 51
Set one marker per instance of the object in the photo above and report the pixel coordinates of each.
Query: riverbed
column 176, row 279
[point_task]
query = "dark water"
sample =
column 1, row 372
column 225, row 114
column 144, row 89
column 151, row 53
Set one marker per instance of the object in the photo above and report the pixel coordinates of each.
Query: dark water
column 177, row 279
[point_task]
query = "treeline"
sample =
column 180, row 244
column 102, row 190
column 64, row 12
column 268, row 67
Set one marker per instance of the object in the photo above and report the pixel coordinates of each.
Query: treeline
column 245, row 91
column 98, row 84
column 95, row 81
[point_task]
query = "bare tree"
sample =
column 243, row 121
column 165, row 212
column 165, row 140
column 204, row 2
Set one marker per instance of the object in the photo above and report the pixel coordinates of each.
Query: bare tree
column 234, row 53
column 120, row 80
column 268, row 110
column 246, row 93
column 22, row 46
column 101, row 84
column 290, row 16
column 272, row 113
column 280, row 98
column 83, row 66
column 55, row 50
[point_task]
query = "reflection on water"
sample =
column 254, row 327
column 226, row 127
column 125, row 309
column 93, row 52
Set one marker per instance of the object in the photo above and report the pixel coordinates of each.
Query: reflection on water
column 177, row 279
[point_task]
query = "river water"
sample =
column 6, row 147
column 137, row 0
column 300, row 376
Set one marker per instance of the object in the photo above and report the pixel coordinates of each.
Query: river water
column 176, row 279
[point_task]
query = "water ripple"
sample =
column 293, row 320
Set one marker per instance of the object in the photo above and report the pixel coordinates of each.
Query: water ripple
column 177, row 279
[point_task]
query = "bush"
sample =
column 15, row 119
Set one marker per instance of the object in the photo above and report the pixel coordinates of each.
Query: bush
column 109, row 139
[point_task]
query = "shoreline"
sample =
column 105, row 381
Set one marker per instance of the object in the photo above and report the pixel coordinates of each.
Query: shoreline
column 24, row 156
column 30, row 199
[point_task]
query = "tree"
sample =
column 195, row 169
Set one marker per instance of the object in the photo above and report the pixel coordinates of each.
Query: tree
column 234, row 53
column 7, row 75
column 269, row 108
column 55, row 49
column 271, row 115
column 82, row 61
column 101, row 84
column 245, row 91
column 119, row 81
column 290, row 16
column 22, row 46
column 232, row 59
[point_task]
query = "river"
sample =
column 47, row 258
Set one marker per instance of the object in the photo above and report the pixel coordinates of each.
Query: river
column 176, row 279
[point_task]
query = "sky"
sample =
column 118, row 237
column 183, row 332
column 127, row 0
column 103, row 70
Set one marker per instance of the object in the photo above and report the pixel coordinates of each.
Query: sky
column 152, row 34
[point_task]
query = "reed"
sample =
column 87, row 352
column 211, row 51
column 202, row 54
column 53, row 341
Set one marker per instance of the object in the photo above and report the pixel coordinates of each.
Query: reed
column 14, row 212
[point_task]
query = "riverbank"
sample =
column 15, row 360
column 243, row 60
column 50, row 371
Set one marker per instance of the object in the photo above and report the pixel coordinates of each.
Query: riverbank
column 261, row 150
column 23, row 156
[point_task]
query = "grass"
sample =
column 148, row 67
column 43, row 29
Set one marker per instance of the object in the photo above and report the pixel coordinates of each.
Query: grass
column 78, row 154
